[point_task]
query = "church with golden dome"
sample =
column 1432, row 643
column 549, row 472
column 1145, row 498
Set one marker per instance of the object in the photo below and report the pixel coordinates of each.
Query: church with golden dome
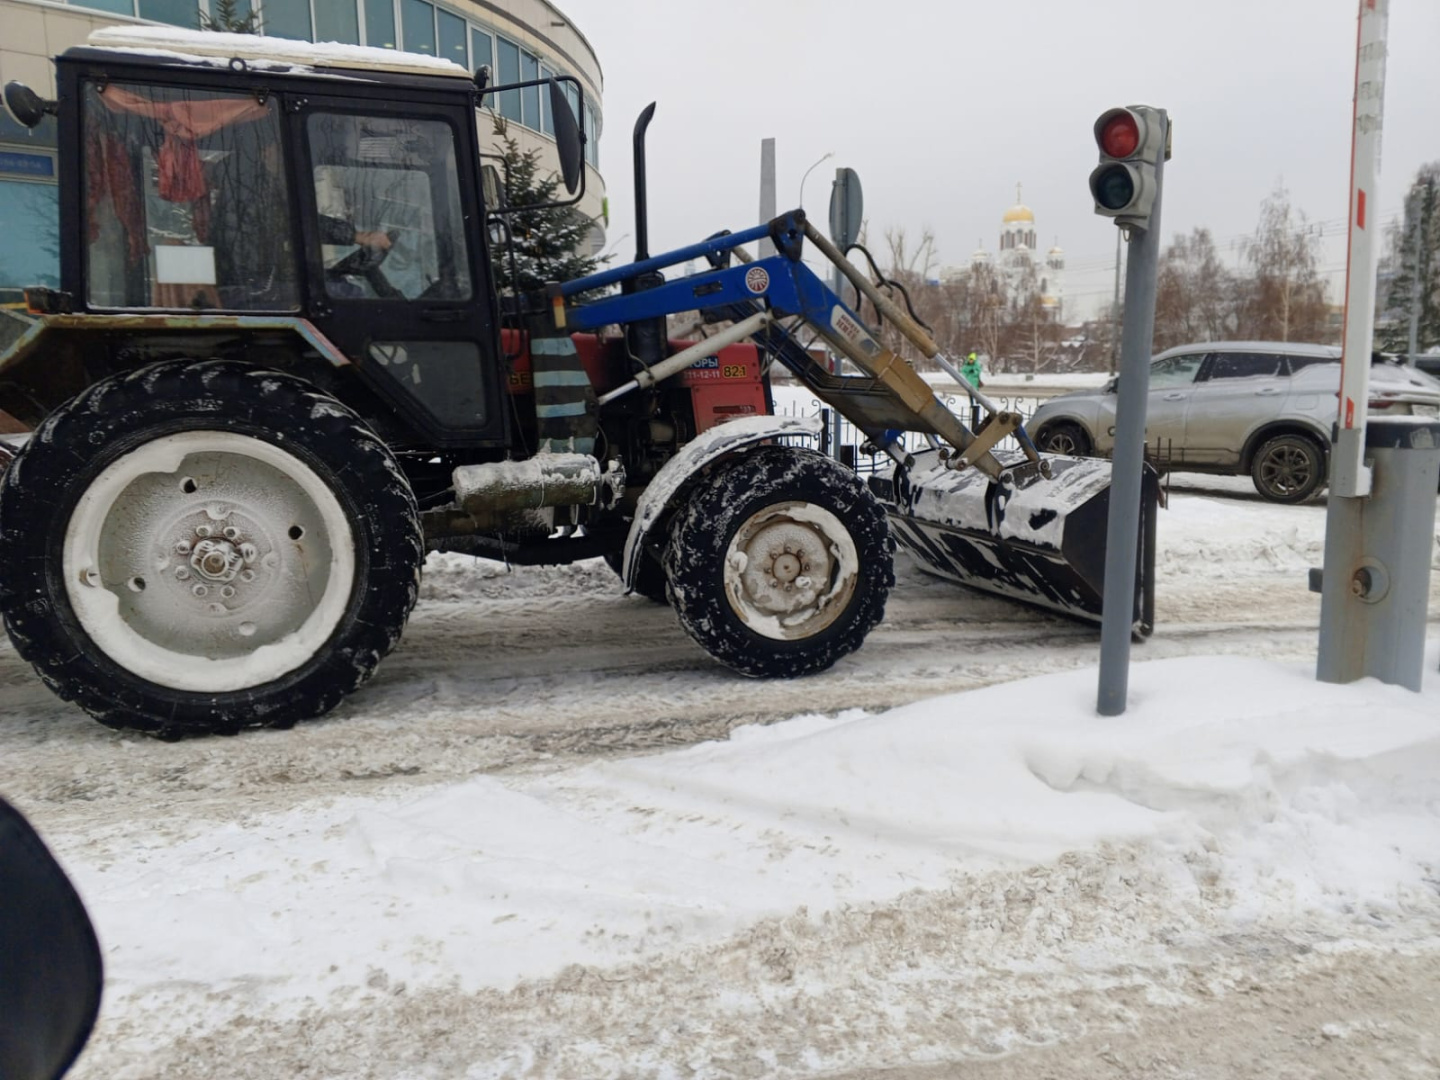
column 1019, row 265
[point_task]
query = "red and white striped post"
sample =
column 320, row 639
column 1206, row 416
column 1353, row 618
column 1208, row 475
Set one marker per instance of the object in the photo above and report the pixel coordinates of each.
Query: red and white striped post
column 1349, row 478
column 1376, row 579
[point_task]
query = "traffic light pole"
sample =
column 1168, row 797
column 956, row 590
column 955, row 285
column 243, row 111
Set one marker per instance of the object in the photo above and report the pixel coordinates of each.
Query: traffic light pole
column 1128, row 467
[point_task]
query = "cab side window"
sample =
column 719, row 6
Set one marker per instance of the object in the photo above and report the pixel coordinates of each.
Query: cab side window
column 185, row 200
column 388, row 196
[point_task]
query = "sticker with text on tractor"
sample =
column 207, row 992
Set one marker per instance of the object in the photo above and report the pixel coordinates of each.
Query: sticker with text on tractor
column 850, row 329
column 712, row 367
column 757, row 279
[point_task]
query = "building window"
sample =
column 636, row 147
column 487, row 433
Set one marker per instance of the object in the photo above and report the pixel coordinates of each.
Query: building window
column 120, row 7
column 287, row 19
column 337, row 20
column 452, row 38
column 508, row 53
column 30, row 223
column 419, row 24
column 480, row 54
column 380, row 24
column 184, row 13
column 530, row 96
column 547, row 118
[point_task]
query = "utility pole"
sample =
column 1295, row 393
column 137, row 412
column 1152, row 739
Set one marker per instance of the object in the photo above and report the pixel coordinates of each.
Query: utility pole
column 767, row 191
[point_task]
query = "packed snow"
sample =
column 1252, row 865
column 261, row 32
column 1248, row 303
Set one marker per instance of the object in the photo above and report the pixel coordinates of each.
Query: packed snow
column 552, row 839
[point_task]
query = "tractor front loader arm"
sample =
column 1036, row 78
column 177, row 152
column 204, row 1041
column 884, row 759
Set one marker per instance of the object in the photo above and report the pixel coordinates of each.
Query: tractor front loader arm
column 769, row 300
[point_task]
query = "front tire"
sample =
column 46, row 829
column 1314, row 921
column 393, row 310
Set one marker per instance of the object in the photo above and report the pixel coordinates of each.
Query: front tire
column 1288, row 469
column 205, row 547
column 780, row 563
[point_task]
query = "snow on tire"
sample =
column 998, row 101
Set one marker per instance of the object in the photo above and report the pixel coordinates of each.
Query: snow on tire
column 780, row 563
column 200, row 547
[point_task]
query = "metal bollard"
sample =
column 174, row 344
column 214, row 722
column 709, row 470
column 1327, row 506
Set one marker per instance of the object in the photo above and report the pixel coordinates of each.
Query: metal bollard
column 1372, row 615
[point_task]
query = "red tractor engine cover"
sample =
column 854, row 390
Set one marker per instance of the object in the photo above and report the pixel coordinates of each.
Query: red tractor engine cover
column 723, row 386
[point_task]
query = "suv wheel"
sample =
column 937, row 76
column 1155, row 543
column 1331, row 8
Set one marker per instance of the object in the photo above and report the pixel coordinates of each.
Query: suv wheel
column 1065, row 438
column 205, row 547
column 1288, row 468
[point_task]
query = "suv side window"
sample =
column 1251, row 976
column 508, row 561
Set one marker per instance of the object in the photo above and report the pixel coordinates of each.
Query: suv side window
column 1238, row 365
column 1175, row 371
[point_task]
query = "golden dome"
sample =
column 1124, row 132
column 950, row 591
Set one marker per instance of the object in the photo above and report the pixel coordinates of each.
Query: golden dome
column 1019, row 213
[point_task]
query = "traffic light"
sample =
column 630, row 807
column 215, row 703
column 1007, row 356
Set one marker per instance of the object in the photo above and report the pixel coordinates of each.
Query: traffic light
column 1124, row 184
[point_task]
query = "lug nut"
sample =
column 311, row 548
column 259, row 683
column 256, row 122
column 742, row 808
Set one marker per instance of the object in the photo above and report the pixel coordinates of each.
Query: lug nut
column 203, row 530
column 247, row 575
column 182, row 573
column 200, row 590
column 231, row 532
column 183, row 547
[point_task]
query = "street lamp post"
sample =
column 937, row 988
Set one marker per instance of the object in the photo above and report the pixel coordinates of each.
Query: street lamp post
column 828, row 154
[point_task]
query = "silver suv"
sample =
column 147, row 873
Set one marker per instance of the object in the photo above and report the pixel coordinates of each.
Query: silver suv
column 1236, row 407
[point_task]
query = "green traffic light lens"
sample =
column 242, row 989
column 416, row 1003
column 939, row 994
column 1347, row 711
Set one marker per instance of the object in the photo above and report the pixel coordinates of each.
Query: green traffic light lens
column 1114, row 189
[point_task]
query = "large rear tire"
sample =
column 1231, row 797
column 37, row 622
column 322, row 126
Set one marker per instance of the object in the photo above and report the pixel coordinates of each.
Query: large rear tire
column 780, row 563
column 201, row 547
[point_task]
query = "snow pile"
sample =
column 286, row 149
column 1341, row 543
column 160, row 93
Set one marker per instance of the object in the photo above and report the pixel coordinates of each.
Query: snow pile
column 1256, row 795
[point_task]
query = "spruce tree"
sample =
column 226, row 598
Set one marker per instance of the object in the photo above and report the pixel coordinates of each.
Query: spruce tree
column 225, row 18
column 547, row 239
column 1415, row 252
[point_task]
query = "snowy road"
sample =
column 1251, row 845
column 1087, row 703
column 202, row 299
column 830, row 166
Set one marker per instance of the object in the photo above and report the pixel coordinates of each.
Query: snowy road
column 537, row 667
column 536, row 675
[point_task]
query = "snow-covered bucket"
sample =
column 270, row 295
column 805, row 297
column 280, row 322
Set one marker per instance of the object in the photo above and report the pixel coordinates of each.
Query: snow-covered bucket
column 1031, row 538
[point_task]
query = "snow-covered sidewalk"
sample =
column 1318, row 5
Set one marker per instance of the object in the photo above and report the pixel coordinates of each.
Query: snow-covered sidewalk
column 1235, row 800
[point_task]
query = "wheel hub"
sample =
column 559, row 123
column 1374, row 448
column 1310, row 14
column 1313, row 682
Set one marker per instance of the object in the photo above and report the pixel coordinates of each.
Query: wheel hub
column 218, row 560
column 214, row 565
column 211, row 547
column 789, row 570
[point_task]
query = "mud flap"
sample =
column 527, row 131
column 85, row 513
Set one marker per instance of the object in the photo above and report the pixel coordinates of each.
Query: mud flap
column 1027, row 537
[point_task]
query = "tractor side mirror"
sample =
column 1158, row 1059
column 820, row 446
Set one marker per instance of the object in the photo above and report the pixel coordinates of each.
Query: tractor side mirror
column 492, row 187
column 568, row 140
column 28, row 107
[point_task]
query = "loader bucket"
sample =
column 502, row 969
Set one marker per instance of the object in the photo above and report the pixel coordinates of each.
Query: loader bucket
column 1027, row 537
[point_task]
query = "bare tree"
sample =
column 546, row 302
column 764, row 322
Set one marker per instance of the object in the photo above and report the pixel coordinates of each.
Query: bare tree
column 1285, row 297
column 1195, row 294
column 986, row 317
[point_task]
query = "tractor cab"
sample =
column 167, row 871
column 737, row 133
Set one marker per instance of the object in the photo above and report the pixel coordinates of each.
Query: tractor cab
column 334, row 190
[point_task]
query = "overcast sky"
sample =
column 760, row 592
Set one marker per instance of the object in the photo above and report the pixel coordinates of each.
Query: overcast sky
column 941, row 107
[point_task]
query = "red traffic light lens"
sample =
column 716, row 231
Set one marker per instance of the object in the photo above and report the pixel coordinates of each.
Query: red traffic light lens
column 1120, row 137
column 1113, row 187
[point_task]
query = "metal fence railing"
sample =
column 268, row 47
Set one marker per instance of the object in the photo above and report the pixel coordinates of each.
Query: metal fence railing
column 844, row 433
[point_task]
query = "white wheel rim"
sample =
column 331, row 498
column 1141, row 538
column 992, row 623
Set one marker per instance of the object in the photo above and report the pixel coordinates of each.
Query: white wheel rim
column 790, row 570
column 208, row 561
